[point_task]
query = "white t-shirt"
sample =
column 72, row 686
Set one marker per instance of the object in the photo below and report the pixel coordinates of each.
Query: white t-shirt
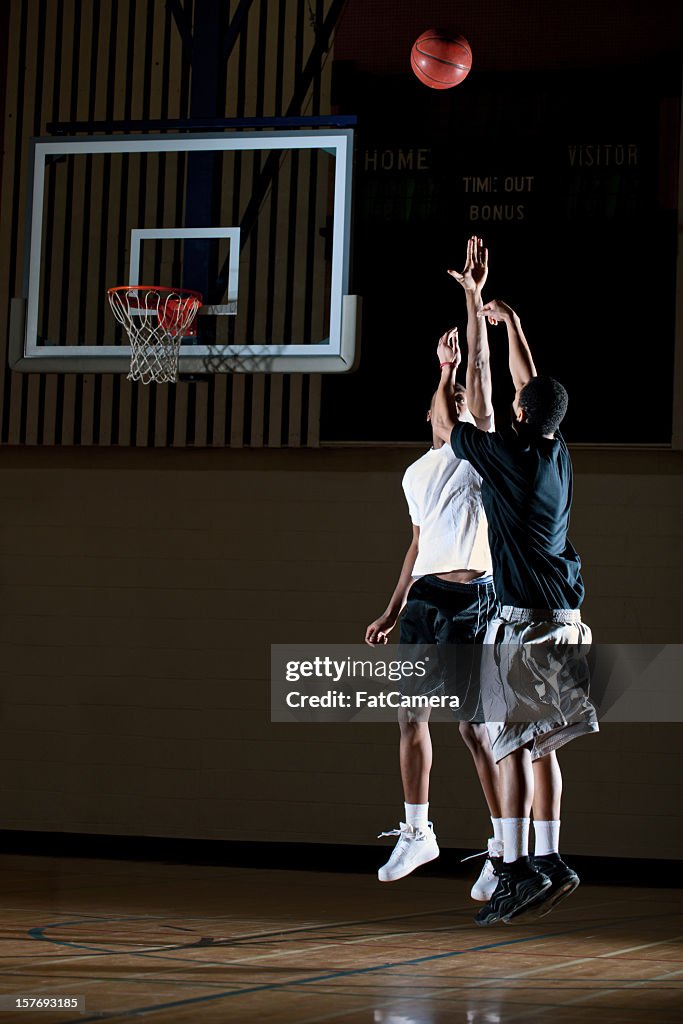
column 444, row 499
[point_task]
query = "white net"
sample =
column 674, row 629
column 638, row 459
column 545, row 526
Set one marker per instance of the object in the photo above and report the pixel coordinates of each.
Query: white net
column 155, row 320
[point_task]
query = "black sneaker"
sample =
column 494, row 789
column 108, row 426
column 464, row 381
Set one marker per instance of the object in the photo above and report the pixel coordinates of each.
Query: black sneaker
column 563, row 882
column 519, row 884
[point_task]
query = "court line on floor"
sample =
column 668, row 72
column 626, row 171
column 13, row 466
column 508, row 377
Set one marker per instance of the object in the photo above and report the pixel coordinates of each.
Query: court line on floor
column 166, row 955
column 333, row 975
column 500, row 983
column 528, row 1013
column 589, row 959
column 168, row 951
column 610, row 991
column 274, row 933
column 37, row 932
column 380, row 937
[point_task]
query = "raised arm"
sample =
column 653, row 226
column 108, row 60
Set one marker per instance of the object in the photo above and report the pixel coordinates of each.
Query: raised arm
column 478, row 380
column 522, row 367
column 378, row 631
column 443, row 416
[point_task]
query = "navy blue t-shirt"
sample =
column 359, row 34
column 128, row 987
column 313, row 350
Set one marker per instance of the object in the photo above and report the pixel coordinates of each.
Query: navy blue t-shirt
column 527, row 495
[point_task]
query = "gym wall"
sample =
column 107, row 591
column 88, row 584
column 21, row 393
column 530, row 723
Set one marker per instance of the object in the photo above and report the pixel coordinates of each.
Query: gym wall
column 141, row 591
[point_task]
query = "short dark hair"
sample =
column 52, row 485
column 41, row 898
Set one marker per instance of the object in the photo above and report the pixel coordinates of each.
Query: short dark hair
column 544, row 401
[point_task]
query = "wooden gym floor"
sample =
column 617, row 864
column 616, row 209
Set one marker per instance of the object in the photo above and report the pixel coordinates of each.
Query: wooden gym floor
column 173, row 943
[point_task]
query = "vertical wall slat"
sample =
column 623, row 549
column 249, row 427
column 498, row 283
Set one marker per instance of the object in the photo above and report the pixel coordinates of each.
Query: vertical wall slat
column 87, row 408
column 237, row 411
column 257, row 410
column 313, row 425
column 201, row 412
column 32, row 409
column 50, row 408
column 161, row 417
column 180, row 429
column 15, row 409
column 42, row 107
column 69, row 399
column 275, row 411
column 31, row 98
column 125, row 405
column 295, row 399
column 142, row 398
column 11, row 249
column 220, row 406
column 106, row 409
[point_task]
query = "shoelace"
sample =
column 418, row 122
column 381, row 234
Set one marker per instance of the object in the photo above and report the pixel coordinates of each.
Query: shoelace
column 483, row 853
column 473, row 856
column 405, row 830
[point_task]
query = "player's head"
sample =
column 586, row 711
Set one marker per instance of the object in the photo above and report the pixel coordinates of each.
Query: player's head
column 457, row 402
column 541, row 405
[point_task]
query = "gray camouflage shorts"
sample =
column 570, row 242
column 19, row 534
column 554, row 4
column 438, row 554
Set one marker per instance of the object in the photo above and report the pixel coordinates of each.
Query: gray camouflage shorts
column 535, row 680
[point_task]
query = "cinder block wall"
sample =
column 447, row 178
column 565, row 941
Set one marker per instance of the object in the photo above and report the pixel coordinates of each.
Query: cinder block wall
column 139, row 594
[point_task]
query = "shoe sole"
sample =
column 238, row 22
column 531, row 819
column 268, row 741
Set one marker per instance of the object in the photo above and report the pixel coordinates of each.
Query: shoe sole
column 549, row 904
column 487, row 922
column 543, row 904
column 522, row 908
column 506, row 918
column 397, row 878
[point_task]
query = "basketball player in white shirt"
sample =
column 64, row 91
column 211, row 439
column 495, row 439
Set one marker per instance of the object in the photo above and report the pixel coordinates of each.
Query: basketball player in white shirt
column 446, row 589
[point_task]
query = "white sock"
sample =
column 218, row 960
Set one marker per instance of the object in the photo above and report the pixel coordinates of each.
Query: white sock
column 417, row 815
column 497, row 828
column 547, row 837
column 515, row 838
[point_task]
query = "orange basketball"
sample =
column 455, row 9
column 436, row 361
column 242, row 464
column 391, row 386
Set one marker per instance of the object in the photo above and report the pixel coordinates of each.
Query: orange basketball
column 440, row 60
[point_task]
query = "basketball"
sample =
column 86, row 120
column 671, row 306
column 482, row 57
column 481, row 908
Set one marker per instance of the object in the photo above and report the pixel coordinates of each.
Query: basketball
column 440, row 60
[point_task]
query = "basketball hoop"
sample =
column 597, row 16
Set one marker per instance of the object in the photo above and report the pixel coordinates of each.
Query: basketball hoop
column 156, row 319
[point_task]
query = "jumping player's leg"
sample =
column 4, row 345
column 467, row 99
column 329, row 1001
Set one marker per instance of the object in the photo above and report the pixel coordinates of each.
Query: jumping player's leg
column 416, row 843
column 546, row 806
column 546, row 810
column 464, row 615
column 476, row 739
column 415, row 755
column 529, row 770
column 520, row 884
column 547, row 788
column 525, row 785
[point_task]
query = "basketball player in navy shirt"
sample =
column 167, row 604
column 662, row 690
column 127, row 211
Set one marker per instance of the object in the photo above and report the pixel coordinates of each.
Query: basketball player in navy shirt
column 527, row 492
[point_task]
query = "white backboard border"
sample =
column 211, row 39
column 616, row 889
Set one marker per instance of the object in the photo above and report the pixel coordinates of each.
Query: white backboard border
column 336, row 354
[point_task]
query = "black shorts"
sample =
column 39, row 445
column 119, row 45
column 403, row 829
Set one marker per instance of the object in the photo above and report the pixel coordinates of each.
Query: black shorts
column 440, row 612
column 453, row 616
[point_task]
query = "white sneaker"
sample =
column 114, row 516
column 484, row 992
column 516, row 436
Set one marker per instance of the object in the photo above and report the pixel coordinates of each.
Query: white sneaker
column 414, row 847
column 485, row 885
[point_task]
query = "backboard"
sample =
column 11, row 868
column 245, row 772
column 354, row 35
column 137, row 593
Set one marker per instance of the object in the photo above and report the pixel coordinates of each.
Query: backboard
column 258, row 222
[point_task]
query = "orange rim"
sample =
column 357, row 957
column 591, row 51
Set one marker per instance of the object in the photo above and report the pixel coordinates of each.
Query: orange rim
column 181, row 292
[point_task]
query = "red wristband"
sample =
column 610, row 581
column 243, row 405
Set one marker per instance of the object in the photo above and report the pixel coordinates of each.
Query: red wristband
column 453, row 363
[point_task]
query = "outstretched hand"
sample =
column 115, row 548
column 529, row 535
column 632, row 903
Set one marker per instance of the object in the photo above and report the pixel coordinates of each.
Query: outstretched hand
column 448, row 349
column 496, row 310
column 476, row 269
